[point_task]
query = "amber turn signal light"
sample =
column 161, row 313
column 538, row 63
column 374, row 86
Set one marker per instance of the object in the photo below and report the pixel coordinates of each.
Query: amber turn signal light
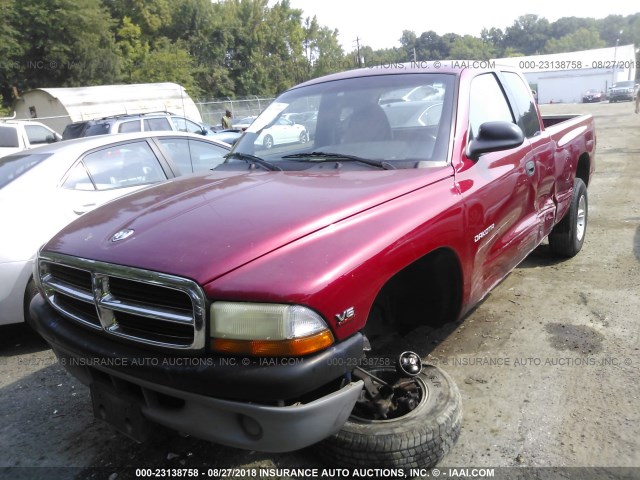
column 274, row 348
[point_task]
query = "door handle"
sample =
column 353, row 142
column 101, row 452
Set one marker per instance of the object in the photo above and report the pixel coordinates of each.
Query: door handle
column 530, row 168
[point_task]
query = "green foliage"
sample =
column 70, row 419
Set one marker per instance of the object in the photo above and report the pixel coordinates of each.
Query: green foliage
column 66, row 43
column 471, row 48
column 528, row 34
column 4, row 111
column 10, row 49
column 581, row 39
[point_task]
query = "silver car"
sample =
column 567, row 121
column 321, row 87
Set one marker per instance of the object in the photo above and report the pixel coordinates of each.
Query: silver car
column 45, row 188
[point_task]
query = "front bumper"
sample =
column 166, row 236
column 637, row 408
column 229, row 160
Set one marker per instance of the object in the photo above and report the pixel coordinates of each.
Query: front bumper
column 621, row 96
column 232, row 403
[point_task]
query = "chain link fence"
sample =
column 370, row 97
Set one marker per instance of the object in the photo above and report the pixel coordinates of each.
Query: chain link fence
column 212, row 111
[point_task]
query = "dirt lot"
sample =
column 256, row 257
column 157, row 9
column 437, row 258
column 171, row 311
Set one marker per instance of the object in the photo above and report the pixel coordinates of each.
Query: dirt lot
column 547, row 364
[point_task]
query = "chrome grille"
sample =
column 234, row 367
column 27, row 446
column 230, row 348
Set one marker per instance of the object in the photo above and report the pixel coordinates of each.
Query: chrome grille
column 141, row 305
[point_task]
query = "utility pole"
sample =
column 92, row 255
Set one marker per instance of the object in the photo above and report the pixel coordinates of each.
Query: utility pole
column 358, row 51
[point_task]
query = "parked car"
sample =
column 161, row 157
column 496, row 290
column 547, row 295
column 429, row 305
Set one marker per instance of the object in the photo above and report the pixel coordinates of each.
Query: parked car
column 128, row 123
column 71, row 178
column 18, row 135
column 592, row 95
column 626, row 90
column 281, row 275
column 308, row 120
column 230, row 135
column 244, row 123
column 282, row 131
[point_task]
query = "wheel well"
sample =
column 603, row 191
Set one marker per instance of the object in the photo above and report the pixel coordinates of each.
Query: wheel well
column 426, row 292
column 584, row 168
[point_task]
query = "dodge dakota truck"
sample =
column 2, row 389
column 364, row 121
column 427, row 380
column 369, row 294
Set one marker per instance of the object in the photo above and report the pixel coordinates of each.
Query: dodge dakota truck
column 246, row 305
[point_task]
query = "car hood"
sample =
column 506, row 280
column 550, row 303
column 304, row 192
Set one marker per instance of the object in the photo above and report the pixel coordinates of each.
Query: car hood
column 204, row 226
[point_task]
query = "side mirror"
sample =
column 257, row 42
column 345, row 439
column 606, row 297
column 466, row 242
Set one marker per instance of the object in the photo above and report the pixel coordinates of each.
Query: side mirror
column 494, row 137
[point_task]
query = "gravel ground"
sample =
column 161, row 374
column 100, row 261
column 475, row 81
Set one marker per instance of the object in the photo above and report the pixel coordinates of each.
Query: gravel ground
column 547, row 365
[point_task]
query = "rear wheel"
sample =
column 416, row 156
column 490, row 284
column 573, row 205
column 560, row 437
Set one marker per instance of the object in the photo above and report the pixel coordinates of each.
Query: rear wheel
column 567, row 237
column 268, row 141
column 412, row 424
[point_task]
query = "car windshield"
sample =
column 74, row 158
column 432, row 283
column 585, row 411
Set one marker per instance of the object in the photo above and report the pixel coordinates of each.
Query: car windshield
column 628, row 84
column 381, row 121
column 12, row 166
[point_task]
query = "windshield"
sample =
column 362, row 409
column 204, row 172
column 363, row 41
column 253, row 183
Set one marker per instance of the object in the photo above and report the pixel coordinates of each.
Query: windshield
column 12, row 166
column 627, row 84
column 385, row 121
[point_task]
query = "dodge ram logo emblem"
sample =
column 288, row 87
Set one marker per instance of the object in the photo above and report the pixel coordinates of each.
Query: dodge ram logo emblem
column 122, row 234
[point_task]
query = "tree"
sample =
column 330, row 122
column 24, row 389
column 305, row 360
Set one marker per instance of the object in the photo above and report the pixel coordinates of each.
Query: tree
column 150, row 15
column 167, row 62
column 133, row 50
column 471, row 48
column 494, row 37
column 408, row 44
column 581, row 39
column 610, row 27
column 567, row 25
column 328, row 56
column 511, row 52
column 11, row 49
column 67, row 43
column 528, row 34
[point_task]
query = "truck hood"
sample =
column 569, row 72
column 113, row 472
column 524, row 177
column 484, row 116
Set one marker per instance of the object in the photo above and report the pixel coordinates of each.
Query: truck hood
column 204, row 226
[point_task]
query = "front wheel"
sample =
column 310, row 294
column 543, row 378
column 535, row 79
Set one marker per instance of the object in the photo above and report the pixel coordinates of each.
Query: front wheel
column 304, row 137
column 30, row 292
column 567, row 236
column 418, row 430
column 268, row 142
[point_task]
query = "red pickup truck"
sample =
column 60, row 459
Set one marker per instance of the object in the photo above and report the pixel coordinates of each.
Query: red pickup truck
column 246, row 305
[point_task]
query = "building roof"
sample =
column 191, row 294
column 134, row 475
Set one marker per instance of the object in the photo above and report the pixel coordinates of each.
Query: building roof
column 89, row 102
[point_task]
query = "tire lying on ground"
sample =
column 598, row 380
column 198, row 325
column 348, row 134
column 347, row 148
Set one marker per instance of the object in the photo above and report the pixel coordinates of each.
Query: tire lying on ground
column 417, row 439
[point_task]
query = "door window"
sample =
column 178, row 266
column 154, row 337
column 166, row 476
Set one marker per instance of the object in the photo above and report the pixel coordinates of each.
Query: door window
column 487, row 103
column 193, row 155
column 126, row 127
column 124, row 165
column 37, row 134
column 527, row 114
column 156, row 124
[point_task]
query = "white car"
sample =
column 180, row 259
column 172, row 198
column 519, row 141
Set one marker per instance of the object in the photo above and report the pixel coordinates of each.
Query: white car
column 44, row 189
column 18, row 135
column 281, row 132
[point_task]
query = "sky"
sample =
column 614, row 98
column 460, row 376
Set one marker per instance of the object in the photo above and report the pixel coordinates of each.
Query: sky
column 380, row 24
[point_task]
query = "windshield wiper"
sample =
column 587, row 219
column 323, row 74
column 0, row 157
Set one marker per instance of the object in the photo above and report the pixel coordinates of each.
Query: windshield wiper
column 330, row 156
column 252, row 159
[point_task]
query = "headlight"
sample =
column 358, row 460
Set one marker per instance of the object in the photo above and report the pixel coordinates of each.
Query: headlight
column 266, row 329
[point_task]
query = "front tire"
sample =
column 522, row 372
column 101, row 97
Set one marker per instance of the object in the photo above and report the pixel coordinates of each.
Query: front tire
column 268, row 142
column 30, row 292
column 417, row 439
column 567, row 237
